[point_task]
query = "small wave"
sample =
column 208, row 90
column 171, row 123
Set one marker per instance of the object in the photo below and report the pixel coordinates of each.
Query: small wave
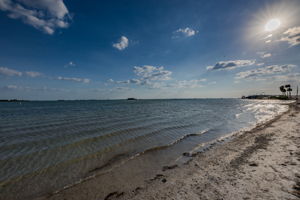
column 265, row 110
column 144, row 138
column 105, row 150
column 238, row 115
column 122, row 158
column 174, row 142
column 260, row 123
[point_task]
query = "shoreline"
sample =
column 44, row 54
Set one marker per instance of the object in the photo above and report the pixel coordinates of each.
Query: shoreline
column 259, row 164
column 149, row 188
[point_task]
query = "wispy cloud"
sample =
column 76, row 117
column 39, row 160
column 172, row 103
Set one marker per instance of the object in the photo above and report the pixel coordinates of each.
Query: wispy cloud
column 268, row 36
column 291, row 77
column 122, row 88
column 158, row 78
column 45, row 15
column 195, row 83
column 27, row 88
column 70, row 64
column 264, row 54
column 267, row 55
column 185, row 32
column 82, row 80
column 33, row 74
column 148, row 72
column 260, row 64
column 230, row 65
column 133, row 81
column 122, row 44
column 11, row 87
column 9, row 72
column 147, row 75
column 264, row 71
column 178, row 84
column 292, row 36
column 268, row 41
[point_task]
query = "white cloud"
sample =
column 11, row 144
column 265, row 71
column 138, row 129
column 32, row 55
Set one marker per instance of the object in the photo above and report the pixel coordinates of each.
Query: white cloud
column 292, row 36
column 158, row 78
column 33, row 74
column 260, row 64
column 122, row 88
column 11, row 87
column 268, row 36
column 27, row 88
column 45, row 15
column 70, row 64
column 186, row 32
column 122, row 44
column 133, row 81
column 268, row 41
column 148, row 72
column 291, row 77
column 264, row 71
column 231, row 64
column 147, row 75
column 83, row 80
column 283, row 78
column 16, row 87
column 178, row 84
column 196, row 83
column 264, row 54
column 155, row 84
column 9, row 72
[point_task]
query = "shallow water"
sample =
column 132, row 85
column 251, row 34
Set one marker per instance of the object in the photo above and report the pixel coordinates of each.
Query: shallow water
column 58, row 143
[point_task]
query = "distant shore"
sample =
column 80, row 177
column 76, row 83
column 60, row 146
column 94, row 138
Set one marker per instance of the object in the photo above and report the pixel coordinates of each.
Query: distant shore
column 12, row 100
column 263, row 163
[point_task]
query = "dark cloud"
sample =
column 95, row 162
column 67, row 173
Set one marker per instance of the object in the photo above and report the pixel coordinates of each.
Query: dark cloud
column 231, row 64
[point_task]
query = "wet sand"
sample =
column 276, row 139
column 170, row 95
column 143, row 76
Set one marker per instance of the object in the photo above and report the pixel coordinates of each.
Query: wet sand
column 260, row 164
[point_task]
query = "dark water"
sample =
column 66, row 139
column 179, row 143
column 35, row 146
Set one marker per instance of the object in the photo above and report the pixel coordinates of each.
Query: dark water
column 59, row 143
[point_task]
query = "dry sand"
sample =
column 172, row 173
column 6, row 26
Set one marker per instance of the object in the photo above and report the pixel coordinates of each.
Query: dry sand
column 260, row 164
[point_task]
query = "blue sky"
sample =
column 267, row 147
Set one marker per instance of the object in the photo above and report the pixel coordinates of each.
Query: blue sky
column 54, row 49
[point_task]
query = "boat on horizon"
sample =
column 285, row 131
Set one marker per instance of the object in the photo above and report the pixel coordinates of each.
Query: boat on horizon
column 131, row 99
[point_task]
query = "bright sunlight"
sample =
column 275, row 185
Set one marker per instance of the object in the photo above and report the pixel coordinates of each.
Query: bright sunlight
column 272, row 25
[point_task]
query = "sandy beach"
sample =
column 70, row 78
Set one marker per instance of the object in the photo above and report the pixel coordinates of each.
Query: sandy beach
column 259, row 164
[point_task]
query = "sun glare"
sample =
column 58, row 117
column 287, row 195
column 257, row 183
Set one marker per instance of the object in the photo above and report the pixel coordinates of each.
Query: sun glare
column 272, row 25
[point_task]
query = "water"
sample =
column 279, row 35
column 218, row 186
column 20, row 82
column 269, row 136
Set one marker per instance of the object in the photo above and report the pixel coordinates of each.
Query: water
column 58, row 143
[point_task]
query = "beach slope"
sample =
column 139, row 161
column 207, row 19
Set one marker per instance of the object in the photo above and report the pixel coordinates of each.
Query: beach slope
column 261, row 164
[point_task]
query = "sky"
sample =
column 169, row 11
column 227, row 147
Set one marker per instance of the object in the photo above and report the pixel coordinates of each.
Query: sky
column 72, row 49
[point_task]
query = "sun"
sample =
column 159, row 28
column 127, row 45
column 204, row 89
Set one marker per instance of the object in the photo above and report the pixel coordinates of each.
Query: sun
column 272, row 25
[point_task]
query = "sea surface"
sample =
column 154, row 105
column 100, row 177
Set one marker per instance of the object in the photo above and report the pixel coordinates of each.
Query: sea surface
column 60, row 143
